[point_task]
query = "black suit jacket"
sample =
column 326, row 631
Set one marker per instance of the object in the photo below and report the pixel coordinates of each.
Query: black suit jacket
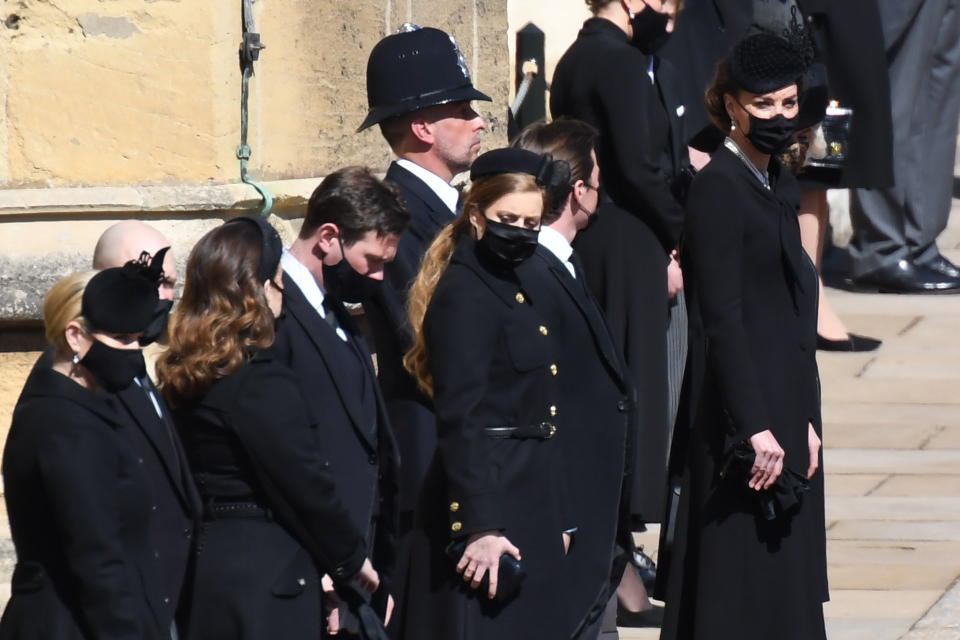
column 363, row 458
column 411, row 413
column 595, row 431
column 79, row 500
column 615, row 102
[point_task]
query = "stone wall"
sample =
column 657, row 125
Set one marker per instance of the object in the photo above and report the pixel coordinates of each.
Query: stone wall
column 131, row 108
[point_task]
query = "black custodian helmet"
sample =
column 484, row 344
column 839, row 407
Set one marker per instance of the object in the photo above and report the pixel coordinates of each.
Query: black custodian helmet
column 413, row 69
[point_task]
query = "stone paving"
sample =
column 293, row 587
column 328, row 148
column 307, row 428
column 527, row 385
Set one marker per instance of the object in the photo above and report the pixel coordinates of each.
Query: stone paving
column 892, row 459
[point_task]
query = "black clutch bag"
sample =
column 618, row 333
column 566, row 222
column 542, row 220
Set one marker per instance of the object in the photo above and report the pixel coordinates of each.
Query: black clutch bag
column 786, row 493
column 510, row 575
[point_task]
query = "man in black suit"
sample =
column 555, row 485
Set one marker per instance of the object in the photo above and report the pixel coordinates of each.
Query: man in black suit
column 422, row 103
column 350, row 232
column 176, row 507
column 596, row 430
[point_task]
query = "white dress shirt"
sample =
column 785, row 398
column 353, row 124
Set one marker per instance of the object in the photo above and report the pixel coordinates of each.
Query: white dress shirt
column 554, row 241
column 307, row 284
column 448, row 194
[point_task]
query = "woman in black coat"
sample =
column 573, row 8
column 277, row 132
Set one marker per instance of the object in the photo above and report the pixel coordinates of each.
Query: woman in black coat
column 273, row 521
column 484, row 355
column 626, row 251
column 747, row 558
column 78, row 495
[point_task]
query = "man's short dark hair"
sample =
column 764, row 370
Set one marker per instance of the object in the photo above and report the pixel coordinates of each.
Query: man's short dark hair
column 569, row 140
column 357, row 202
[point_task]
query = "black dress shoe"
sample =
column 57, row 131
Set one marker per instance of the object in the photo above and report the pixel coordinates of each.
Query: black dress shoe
column 652, row 617
column 853, row 342
column 906, row 277
column 943, row 266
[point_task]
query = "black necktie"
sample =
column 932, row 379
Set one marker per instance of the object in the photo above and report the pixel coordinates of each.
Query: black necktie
column 152, row 394
column 328, row 313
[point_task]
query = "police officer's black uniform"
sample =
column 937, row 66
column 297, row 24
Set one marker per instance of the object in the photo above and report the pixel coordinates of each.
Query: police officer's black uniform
column 406, row 72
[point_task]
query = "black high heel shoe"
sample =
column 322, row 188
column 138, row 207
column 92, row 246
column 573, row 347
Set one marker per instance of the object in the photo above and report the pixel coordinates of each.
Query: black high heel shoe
column 853, row 343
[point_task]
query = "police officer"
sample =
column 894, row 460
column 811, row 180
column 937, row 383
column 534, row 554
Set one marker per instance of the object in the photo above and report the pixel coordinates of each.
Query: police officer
column 420, row 93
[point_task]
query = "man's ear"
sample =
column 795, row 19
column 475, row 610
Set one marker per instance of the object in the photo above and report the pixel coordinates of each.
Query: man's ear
column 422, row 130
column 326, row 238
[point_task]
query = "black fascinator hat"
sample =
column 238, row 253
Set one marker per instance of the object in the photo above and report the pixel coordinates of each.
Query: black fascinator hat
column 123, row 299
column 763, row 62
column 550, row 174
column 271, row 249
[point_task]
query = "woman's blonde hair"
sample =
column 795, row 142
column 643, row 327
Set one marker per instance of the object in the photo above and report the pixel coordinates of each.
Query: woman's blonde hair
column 61, row 305
column 484, row 191
column 222, row 315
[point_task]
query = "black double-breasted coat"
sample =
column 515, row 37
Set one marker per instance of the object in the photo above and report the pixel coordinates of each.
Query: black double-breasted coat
column 274, row 521
column 595, row 430
column 95, row 554
column 625, row 250
column 343, row 401
column 489, row 353
column 752, row 295
column 410, row 411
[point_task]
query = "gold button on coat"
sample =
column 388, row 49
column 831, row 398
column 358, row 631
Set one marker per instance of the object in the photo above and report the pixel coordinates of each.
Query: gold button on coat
column 454, row 506
column 554, row 370
column 544, row 330
column 456, row 526
column 519, row 298
column 553, row 410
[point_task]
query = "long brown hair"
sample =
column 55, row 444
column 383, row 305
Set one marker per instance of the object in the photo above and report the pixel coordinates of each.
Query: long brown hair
column 484, row 191
column 222, row 315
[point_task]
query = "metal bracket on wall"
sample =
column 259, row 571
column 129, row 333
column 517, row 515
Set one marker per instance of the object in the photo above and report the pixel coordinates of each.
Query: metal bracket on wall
column 249, row 53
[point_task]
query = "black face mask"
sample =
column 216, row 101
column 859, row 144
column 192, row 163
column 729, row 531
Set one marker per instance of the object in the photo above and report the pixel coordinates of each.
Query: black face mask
column 771, row 135
column 158, row 324
column 506, row 245
column 649, row 30
column 114, row 368
column 346, row 283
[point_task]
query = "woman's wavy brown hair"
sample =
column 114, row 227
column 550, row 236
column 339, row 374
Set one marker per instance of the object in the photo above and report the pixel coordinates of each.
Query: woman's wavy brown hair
column 221, row 316
column 483, row 192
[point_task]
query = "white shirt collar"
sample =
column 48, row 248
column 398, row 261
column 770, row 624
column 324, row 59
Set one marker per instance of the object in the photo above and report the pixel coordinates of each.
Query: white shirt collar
column 448, row 194
column 308, row 286
column 554, row 241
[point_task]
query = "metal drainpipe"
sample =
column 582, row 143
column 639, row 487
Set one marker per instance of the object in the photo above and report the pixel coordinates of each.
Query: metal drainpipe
column 249, row 53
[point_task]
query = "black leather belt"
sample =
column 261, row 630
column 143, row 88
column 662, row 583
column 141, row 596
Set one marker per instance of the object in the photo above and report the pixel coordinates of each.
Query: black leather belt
column 542, row 431
column 219, row 510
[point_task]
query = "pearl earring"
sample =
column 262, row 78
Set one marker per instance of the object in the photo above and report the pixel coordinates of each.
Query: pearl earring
column 76, row 358
column 733, row 126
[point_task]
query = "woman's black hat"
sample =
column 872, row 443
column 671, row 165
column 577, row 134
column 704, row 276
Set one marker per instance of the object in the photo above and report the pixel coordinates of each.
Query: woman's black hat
column 763, row 62
column 414, row 69
column 549, row 173
column 271, row 249
column 123, row 299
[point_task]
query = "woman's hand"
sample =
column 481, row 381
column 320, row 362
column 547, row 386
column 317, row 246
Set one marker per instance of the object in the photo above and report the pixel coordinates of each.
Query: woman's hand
column 567, row 539
column 482, row 556
column 769, row 460
column 813, row 444
column 368, row 578
column 331, row 605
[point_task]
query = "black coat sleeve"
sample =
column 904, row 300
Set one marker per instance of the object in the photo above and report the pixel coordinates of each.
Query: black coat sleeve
column 271, row 422
column 713, row 251
column 79, row 471
column 626, row 96
column 462, row 338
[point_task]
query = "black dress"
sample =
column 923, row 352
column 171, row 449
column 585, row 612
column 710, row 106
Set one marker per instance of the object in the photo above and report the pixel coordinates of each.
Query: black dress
column 79, row 501
column 730, row 573
column 490, row 356
column 625, row 251
column 273, row 521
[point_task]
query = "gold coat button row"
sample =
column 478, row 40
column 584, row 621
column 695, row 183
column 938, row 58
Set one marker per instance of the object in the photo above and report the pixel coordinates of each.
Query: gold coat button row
column 553, row 410
column 456, row 526
column 519, row 298
column 544, row 330
column 454, row 507
column 554, row 370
